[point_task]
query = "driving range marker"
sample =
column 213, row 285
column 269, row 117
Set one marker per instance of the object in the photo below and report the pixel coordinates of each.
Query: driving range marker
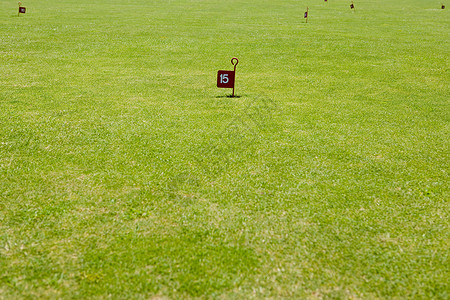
column 352, row 6
column 442, row 6
column 306, row 14
column 226, row 79
column 22, row 9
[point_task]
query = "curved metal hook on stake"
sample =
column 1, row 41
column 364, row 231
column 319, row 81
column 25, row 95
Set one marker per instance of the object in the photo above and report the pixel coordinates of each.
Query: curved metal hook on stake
column 20, row 4
column 234, row 64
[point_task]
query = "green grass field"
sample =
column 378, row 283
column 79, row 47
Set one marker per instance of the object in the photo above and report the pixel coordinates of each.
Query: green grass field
column 126, row 173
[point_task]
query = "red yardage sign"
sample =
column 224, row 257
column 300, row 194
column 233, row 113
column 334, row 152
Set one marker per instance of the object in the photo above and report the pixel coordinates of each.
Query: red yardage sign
column 225, row 79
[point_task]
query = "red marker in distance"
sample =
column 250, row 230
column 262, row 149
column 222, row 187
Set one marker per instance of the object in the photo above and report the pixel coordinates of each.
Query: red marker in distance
column 226, row 79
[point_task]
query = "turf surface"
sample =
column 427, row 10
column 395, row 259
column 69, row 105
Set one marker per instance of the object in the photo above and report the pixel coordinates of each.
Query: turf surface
column 125, row 172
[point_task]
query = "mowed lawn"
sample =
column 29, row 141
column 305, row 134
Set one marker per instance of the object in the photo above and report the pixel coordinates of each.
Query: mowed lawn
column 126, row 173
